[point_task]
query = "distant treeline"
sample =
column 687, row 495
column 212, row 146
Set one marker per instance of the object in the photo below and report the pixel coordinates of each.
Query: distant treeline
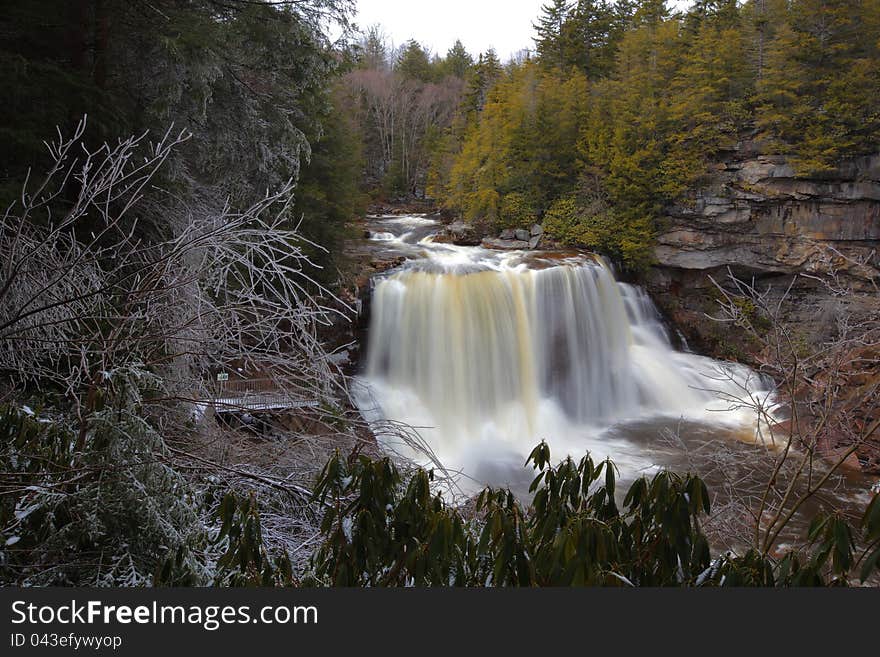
column 619, row 109
column 622, row 108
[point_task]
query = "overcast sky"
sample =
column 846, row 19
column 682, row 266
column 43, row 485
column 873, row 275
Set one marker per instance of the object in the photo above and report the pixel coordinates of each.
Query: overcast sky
column 505, row 25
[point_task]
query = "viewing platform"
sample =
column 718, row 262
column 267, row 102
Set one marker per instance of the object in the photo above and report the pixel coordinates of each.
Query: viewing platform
column 255, row 396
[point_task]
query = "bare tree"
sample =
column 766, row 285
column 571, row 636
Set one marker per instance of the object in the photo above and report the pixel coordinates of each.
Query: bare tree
column 825, row 414
column 398, row 116
column 90, row 292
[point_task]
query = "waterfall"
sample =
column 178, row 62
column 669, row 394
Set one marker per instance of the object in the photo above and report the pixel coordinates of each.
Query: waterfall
column 486, row 358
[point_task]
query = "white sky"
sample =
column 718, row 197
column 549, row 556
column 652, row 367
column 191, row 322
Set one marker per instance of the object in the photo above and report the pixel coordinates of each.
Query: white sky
column 505, row 25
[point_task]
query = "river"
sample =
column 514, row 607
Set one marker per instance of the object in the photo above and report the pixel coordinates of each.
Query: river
column 485, row 353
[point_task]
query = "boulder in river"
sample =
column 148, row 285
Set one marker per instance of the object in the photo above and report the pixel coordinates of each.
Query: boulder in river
column 461, row 233
column 499, row 243
column 522, row 234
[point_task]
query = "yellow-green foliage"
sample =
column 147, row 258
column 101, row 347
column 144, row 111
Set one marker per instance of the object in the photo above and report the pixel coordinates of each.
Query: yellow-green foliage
column 561, row 219
column 819, row 92
column 523, row 142
column 482, row 206
column 516, row 211
column 600, row 228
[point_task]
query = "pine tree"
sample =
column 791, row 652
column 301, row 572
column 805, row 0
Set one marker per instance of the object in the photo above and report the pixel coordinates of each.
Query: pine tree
column 458, row 60
column 373, row 51
column 593, row 34
column 551, row 42
column 413, row 63
column 486, row 71
column 819, row 97
column 710, row 92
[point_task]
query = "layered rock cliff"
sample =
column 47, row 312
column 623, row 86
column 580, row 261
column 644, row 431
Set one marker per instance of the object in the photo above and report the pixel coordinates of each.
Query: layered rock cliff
column 756, row 214
column 809, row 244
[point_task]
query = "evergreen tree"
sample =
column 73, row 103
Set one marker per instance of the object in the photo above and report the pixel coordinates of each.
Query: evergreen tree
column 328, row 192
column 458, row 60
column 486, row 71
column 594, row 36
column 710, row 92
column 819, row 96
column 373, row 50
column 413, row 63
column 552, row 42
column 650, row 12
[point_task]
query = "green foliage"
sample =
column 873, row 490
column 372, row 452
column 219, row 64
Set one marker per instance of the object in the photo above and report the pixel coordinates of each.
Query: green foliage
column 516, row 211
column 819, row 96
column 103, row 516
column 380, row 529
column 524, row 142
column 246, row 561
column 458, row 61
column 372, row 52
column 587, row 219
column 482, row 207
column 413, row 63
column 247, row 79
column 378, row 533
column 582, row 34
column 483, row 76
column 562, row 219
column 328, row 192
column 666, row 95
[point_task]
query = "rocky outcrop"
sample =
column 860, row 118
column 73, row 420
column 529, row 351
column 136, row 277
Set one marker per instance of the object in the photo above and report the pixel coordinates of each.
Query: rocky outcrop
column 757, row 217
column 516, row 238
column 463, row 234
column 756, row 220
column 805, row 240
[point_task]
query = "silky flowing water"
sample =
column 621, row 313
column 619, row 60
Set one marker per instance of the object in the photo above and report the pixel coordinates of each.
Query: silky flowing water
column 486, row 353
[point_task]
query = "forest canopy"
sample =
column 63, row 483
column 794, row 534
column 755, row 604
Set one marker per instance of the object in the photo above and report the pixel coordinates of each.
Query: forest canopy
column 624, row 106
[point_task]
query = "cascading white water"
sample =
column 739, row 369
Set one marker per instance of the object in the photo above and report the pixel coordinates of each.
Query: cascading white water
column 486, row 357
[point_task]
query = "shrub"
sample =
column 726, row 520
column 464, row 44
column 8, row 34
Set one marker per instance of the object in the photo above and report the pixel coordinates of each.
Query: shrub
column 379, row 530
column 103, row 516
column 516, row 211
column 481, row 207
column 625, row 237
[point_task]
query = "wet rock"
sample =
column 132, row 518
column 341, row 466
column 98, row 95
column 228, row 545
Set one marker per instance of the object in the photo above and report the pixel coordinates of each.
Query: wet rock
column 753, row 213
column 533, row 243
column 443, row 238
column 461, row 233
column 379, row 266
column 522, row 234
column 508, row 245
column 786, row 236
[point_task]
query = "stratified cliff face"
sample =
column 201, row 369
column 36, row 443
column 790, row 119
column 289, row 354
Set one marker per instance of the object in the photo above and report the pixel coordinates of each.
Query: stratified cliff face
column 756, row 218
column 755, row 214
column 816, row 240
